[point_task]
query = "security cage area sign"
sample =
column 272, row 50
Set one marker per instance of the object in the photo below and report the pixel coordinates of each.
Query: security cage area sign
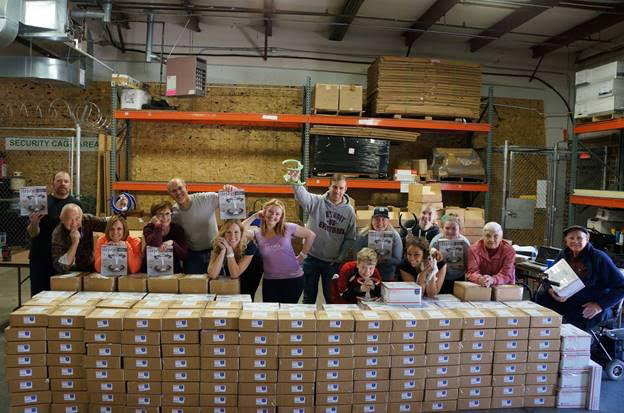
column 52, row 143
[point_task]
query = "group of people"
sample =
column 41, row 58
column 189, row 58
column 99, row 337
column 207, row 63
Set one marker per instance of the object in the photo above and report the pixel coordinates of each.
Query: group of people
column 62, row 241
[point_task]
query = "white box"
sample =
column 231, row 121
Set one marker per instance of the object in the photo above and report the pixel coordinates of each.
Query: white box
column 401, row 292
column 603, row 226
column 575, row 379
column 606, row 71
column 569, row 282
column 574, row 360
column 134, row 98
column 593, row 397
column 602, row 105
column 582, row 77
column 573, row 339
column 599, row 90
column 571, row 399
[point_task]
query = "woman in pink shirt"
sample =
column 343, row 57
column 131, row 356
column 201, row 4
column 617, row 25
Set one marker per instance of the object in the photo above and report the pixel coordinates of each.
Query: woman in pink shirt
column 283, row 275
column 491, row 260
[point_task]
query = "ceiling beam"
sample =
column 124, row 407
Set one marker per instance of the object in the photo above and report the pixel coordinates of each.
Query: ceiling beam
column 428, row 19
column 344, row 19
column 580, row 32
column 514, row 20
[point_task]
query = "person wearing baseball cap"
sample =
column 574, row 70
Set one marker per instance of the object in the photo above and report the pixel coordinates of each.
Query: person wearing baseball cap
column 384, row 239
column 604, row 283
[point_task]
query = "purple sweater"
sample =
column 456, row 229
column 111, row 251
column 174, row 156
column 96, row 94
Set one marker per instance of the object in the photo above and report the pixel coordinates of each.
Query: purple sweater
column 278, row 256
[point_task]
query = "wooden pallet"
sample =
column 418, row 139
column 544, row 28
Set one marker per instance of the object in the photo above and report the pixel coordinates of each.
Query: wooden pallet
column 601, row 116
column 338, row 112
column 463, row 179
column 425, row 117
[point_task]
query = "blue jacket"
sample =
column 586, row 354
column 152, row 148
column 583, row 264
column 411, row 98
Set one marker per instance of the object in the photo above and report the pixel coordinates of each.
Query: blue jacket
column 604, row 283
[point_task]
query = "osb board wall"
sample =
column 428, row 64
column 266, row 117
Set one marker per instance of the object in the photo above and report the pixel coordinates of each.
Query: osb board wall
column 40, row 166
column 213, row 153
column 519, row 121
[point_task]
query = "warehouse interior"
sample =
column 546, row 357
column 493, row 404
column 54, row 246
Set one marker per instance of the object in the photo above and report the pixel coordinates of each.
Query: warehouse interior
column 520, row 97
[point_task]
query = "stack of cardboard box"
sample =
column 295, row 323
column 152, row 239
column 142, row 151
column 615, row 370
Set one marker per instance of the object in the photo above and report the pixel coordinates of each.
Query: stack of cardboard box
column 297, row 354
column 424, row 194
column 473, row 224
column 335, row 368
column 258, row 358
column 575, row 372
column 407, row 349
column 475, row 381
column 220, row 357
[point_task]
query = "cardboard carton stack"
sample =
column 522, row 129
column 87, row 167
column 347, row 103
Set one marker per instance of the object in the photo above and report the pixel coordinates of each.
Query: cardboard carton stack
column 474, row 220
column 371, row 361
column 575, row 373
column 26, row 358
column 510, row 357
column 424, row 194
column 442, row 350
column 477, row 346
column 220, row 357
column 258, row 359
column 407, row 360
column 335, row 368
column 297, row 363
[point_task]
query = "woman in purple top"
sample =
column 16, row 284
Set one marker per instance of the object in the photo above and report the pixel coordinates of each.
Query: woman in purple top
column 283, row 275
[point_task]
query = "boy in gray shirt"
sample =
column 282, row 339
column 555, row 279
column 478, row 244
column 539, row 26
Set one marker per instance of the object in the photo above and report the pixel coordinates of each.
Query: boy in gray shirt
column 332, row 219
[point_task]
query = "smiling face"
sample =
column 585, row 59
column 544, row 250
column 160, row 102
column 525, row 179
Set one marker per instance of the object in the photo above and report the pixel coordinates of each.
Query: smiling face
column 365, row 269
column 232, row 235
column 177, row 190
column 492, row 239
column 414, row 256
column 576, row 241
column 164, row 216
column 116, row 232
column 426, row 218
column 72, row 219
column 273, row 215
column 380, row 223
column 451, row 230
column 61, row 185
column 337, row 190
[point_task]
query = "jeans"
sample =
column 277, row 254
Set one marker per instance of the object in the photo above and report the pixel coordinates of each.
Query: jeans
column 313, row 269
column 250, row 278
column 282, row 291
column 197, row 262
column 41, row 269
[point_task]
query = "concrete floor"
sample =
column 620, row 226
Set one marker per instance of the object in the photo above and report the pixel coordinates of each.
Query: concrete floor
column 610, row 397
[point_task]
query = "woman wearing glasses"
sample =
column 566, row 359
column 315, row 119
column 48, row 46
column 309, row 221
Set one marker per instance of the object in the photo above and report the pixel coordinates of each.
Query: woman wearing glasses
column 162, row 233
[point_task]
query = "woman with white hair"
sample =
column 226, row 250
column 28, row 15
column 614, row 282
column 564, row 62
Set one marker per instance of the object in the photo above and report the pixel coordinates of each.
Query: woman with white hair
column 491, row 260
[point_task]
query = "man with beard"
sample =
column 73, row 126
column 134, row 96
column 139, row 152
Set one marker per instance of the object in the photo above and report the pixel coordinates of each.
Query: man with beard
column 40, row 230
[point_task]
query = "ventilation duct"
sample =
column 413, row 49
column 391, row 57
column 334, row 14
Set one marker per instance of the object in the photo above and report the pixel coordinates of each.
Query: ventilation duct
column 10, row 12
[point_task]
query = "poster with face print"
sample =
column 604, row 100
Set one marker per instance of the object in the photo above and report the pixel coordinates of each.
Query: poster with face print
column 33, row 199
column 114, row 261
column 232, row 204
column 159, row 262
column 381, row 242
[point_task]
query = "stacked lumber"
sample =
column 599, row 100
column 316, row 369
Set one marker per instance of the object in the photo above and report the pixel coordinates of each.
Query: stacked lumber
column 360, row 132
column 424, row 87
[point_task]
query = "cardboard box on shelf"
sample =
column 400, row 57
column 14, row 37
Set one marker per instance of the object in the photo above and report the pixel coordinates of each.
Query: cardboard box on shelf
column 474, row 217
column 132, row 283
column 468, row 291
column 507, row 292
column 425, row 193
column 326, row 97
column 67, row 282
column 97, row 282
column 350, row 98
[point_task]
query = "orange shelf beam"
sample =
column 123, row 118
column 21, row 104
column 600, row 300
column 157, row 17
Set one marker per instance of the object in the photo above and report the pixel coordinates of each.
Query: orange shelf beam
column 597, row 201
column 601, row 126
column 294, row 121
column 201, row 187
column 395, row 185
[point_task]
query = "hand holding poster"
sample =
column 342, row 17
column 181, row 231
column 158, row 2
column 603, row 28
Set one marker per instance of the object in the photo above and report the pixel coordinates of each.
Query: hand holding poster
column 114, row 260
column 159, row 262
column 232, row 204
column 33, row 199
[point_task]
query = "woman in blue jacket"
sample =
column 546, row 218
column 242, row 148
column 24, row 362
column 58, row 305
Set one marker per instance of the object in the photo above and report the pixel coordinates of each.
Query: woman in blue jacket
column 604, row 283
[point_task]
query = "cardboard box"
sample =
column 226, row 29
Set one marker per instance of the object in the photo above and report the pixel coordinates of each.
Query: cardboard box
column 30, row 398
column 510, row 357
column 102, row 336
column 225, row 285
column 540, row 333
column 335, row 399
column 408, row 337
column 509, row 368
column 66, row 347
column 134, row 283
column 66, row 282
column 479, row 335
column 181, row 363
column 474, row 392
column 291, row 320
column 408, row 349
column 509, row 380
column 178, row 400
column 573, row 398
column 182, row 320
column 443, row 319
column 368, row 362
column 221, row 351
column 408, row 396
column 540, row 390
column 405, row 320
column 61, row 372
column 139, row 350
column 194, row 284
column 180, row 350
column 142, row 363
column 259, row 338
column 544, row 357
column 297, row 364
column 334, row 321
column 442, row 371
column 326, row 97
column 29, row 347
column 508, row 391
column 443, row 347
column 476, row 318
column 105, row 319
column 543, row 317
column 301, row 339
column 439, row 406
column 104, row 350
column 182, row 376
column 97, row 282
column 350, row 98
column 297, row 351
column 258, row 363
column 510, row 345
column 363, row 386
column 28, row 385
column 164, row 284
column 539, row 401
column 373, row 321
column 118, row 302
column 258, row 351
column 31, row 316
column 370, row 407
column 424, row 193
column 334, row 375
column 346, row 408
column 257, row 321
column 475, row 369
column 220, row 319
column 593, row 398
column 140, row 337
column 401, row 292
column 408, row 361
column 97, row 362
column 334, row 338
column 327, row 387
column 437, row 336
column 307, row 376
column 475, row 381
column 542, row 368
column 468, row 291
column 442, row 359
column 363, row 350
column 224, row 376
column 26, row 373
column 441, row 394
column 476, row 358
column 149, row 319
column 370, row 397
column 218, row 338
column 257, row 401
column 408, row 384
column 180, row 388
column 474, row 217
column 544, row 345
column 25, row 333
column 68, row 317
column 543, row 379
column 218, row 388
column 25, row 361
column 105, row 374
column 572, row 339
column 507, row 292
column 574, row 379
column 507, row 402
column 144, row 375
column 65, row 360
column 512, row 333
column 372, row 374
column 474, row 404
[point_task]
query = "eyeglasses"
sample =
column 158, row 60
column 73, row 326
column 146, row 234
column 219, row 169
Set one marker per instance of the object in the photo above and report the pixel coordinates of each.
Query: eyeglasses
column 163, row 215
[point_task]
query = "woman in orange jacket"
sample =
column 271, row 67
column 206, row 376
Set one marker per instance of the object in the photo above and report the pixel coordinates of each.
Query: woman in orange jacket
column 117, row 233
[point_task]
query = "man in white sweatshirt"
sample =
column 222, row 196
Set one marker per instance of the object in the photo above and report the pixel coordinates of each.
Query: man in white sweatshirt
column 332, row 219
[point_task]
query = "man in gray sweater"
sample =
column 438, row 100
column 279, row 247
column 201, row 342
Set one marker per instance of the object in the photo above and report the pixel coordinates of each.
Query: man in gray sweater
column 332, row 219
column 196, row 214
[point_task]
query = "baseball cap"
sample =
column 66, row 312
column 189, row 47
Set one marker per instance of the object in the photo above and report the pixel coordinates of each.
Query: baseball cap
column 381, row 212
column 575, row 228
